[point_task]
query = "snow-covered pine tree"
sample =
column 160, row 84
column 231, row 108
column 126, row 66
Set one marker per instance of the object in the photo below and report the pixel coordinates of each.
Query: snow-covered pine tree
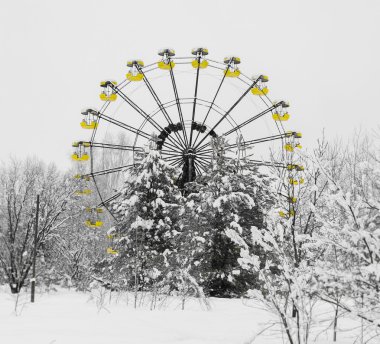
column 147, row 214
column 220, row 200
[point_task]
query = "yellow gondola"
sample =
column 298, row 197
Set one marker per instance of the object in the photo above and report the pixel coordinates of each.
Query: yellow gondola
column 79, row 176
column 108, row 97
column 110, row 250
column 92, row 125
column 232, row 73
column 293, row 181
column 108, row 94
column 80, row 157
column 257, row 91
column 295, row 134
column 289, row 147
column 260, row 89
column 166, row 66
column 280, row 117
column 285, row 214
column 93, row 224
column 134, row 77
column 83, row 192
column 96, row 210
column 93, row 221
column 203, row 64
column 291, row 167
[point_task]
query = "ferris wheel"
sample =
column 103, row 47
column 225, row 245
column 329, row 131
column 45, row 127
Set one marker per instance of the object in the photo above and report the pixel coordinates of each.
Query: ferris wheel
column 182, row 106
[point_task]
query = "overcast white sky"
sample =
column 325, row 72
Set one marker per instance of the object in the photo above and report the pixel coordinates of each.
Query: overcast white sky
column 322, row 56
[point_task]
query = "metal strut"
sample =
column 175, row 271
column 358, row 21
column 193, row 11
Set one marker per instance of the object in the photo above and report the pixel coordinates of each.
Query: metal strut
column 213, row 101
column 178, row 103
column 143, row 114
column 159, row 103
column 195, row 101
column 228, row 112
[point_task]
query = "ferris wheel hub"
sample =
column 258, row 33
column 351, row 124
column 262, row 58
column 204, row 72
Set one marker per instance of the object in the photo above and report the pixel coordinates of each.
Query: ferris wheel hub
column 189, row 152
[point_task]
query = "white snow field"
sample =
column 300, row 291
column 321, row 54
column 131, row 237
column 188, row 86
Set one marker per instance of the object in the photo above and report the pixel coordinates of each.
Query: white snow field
column 69, row 317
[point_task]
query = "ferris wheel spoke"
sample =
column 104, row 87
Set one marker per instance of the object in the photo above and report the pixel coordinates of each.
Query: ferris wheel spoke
column 144, row 114
column 206, row 154
column 200, row 168
column 117, row 147
column 109, row 200
column 165, row 156
column 195, row 101
column 261, row 140
column 213, row 101
column 173, row 147
column 108, row 171
column 101, row 198
column 203, row 159
column 122, row 125
column 247, row 144
column 253, row 162
column 180, row 166
column 160, row 105
column 197, row 169
column 228, row 112
column 103, row 108
column 172, row 158
column 203, row 164
column 263, row 163
column 177, row 164
column 165, row 151
column 270, row 109
column 180, row 114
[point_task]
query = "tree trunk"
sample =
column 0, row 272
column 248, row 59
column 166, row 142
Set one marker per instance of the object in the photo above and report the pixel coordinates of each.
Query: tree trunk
column 335, row 322
column 15, row 287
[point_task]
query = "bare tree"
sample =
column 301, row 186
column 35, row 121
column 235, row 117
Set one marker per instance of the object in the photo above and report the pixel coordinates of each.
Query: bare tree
column 20, row 182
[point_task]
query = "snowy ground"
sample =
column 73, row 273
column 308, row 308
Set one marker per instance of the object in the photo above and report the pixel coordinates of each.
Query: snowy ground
column 71, row 317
